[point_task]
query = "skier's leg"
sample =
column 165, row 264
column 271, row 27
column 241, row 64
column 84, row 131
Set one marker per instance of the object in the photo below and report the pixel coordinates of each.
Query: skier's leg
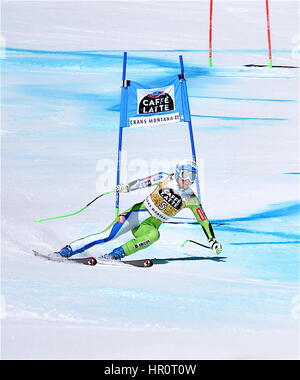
column 145, row 235
column 128, row 220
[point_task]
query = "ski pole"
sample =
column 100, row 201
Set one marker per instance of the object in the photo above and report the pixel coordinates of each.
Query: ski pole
column 195, row 242
column 210, row 30
column 76, row 212
column 269, row 33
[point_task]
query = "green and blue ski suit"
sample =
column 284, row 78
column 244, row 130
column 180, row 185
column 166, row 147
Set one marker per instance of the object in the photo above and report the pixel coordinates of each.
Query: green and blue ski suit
column 145, row 218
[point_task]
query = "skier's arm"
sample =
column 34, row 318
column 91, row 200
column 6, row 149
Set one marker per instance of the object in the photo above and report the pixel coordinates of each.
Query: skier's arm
column 206, row 226
column 141, row 183
column 202, row 219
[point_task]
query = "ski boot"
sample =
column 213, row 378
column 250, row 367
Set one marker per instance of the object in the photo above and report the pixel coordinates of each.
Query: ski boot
column 116, row 254
column 66, row 252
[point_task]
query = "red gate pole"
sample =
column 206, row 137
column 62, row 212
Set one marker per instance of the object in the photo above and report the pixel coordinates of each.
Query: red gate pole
column 210, row 34
column 269, row 33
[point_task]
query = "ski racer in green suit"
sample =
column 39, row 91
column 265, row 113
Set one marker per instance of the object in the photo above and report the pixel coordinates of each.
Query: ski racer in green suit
column 171, row 195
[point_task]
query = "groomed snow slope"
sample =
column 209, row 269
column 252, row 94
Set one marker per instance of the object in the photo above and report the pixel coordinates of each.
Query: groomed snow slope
column 60, row 96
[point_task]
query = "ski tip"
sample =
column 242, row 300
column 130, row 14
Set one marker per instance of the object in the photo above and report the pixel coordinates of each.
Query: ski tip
column 91, row 261
column 148, row 263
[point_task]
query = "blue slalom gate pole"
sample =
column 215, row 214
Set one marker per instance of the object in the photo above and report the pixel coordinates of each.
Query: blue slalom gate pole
column 189, row 121
column 123, row 115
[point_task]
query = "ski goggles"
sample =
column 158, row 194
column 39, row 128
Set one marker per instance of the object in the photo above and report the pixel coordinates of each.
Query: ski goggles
column 187, row 175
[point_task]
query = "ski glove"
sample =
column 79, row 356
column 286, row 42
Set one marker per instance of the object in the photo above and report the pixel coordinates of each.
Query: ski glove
column 122, row 188
column 215, row 246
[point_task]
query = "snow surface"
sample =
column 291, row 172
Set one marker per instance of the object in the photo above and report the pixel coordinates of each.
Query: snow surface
column 61, row 93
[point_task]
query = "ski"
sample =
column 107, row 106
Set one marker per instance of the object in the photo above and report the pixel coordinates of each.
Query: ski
column 60, row 259
column 141, row 263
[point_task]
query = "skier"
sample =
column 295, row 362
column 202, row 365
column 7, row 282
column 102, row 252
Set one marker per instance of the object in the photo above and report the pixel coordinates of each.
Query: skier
column 171, row 195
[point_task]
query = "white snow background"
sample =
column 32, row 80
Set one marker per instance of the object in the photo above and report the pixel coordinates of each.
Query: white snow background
column 61, row 76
